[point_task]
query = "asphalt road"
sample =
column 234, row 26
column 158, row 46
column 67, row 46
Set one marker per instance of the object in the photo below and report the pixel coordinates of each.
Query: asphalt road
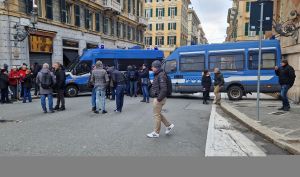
column 79, row 132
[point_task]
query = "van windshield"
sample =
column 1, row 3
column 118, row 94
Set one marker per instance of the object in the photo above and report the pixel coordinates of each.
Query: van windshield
column 72, row 65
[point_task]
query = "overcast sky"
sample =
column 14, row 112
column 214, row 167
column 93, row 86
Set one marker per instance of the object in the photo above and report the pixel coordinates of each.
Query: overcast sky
column 213, row 16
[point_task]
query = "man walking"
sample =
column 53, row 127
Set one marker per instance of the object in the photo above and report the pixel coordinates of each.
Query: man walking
column 100, row 80
column 159, row 92
column 119, row 81
column 60, row 86
column 286, row 74
column 46, row 79
column 218, row 84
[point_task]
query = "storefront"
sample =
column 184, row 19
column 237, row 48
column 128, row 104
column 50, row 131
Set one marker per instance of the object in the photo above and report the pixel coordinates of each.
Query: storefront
column 70, row 51
column 41, row 47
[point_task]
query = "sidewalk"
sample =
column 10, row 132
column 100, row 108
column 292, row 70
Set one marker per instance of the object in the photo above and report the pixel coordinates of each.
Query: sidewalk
column 281, row 128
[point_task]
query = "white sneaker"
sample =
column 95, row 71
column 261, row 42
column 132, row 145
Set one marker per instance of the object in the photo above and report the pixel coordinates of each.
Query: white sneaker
column 168, row 129
column 153, row 135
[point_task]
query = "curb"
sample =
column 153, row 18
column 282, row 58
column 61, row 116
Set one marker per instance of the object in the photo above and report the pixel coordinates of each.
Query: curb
column 266, row 132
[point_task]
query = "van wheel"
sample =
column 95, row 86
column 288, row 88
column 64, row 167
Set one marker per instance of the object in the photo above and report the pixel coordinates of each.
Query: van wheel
column 235, row 93
column 71, row 91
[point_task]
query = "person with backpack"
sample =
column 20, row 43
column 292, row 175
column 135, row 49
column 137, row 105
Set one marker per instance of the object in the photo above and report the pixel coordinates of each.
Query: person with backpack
column 119, row 79
column 27, row 84
column 133, row 79
column 286, row 74
column 46, row 79
column 145, row 82
column 100, row 80
column 60, row 77
column 206, row 84
column 159, row 92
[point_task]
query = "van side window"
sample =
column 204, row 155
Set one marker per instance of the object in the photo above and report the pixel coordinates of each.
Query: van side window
column 192, row 63
column 268, row 60
column 171, row 66
column 227, row 61
column 83, row 67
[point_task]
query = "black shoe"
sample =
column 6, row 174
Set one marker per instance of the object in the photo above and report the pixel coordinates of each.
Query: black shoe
column 93, row 108
column 96, row 112
column 147, row 101
column 204, row 102
column 280, row 109
column 62, row 108
column 104, row 112
column 52, row 111
column 56, row 108
column 45, row 112
column 143, row 101
column 286, row 109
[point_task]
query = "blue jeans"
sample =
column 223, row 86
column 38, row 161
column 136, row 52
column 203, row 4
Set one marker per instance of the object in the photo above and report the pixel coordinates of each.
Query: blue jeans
column 283, row 94
column 133, row 88
column 93, row 99
column 50, row 102
column 113, row 92
column 120, row 97
column 145, row 91
column 27, row 94
column 100, row 96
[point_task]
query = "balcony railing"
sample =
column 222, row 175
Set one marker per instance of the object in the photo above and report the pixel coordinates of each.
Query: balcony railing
column 132, row 17
column 143, row 21
column 111, row 4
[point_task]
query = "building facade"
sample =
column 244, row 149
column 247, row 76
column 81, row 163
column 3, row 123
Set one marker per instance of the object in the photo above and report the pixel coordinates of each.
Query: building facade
column 66, row 27
column 167, row 24
column 196, row 33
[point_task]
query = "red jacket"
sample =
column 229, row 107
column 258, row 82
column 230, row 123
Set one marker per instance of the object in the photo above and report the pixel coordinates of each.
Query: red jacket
column 13, row 77
column 22, row 74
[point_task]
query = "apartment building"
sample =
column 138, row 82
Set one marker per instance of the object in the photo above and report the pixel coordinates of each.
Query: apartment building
column 196, row 33
column 66, row 27
column 167, row 24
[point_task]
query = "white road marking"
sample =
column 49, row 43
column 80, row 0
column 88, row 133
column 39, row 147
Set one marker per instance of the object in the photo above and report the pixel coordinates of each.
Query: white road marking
column 224, row 140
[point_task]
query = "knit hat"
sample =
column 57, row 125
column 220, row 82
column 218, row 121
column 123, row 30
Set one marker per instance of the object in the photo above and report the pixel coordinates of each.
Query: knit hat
column 156, row 64
column 99, row 64
column 285, row 61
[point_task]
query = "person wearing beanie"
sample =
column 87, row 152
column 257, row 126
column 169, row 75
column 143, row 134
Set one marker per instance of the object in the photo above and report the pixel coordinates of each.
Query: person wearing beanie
column 159, row 91
column 4, row 86
column 286, row 75
column 100, row 81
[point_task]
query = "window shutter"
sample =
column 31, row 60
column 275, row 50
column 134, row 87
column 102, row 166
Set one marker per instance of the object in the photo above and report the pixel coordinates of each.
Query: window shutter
column 168, row 40
column 174, row 26
column 150, row 40
column 174, row 40
column 49, row 9
column 163, row 26
column 29, row 6
column 163, row 40
column 156, row 26
column 77, row 15
column 175, row 11
column 156, row 12
column 86, row 22
column 163, row 12
column 169, row 11
column 168, row 26
column 150, row 27
column 97, row 22
column 246, row 29
column 151, row 13
column 155, row 40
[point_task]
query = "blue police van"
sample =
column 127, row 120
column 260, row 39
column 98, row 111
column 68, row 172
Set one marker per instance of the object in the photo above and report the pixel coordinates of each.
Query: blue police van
column 78, row 72
column 237, row 61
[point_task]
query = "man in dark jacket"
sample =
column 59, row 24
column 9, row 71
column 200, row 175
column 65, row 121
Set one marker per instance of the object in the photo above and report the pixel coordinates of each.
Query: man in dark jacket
column 206, row 84
column 159, row 91
column 144, row 75
column 286, row 74
column 35, row 71
column 218, row 84
column 59, row 86
column 119, row 79
column 27, row 84
column 4, row 86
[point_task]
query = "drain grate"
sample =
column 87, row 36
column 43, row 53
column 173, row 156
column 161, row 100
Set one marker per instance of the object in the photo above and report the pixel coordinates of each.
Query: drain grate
column 277, row 113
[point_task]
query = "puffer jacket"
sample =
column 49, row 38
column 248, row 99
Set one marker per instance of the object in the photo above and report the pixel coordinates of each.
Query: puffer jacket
column 3, row 81
column 286, row 75
column 100, row 78
column 159, row 87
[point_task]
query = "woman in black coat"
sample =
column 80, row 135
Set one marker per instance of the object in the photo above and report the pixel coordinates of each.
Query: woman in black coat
column 206, row 85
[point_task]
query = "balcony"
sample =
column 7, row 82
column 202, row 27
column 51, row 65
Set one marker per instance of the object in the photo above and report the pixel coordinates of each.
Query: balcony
column 143, row 21
column 111, row 5
column 132, row 17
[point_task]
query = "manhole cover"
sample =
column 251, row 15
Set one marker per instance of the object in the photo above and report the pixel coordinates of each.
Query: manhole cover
column 8, row 121
column 277, row 113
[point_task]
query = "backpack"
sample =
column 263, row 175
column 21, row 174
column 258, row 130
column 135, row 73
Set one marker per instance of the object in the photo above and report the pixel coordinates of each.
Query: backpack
column 46, row 81
column 132, row 75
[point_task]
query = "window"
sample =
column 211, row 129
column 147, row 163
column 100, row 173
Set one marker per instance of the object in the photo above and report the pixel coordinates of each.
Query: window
column 150, row 27
column 172, row 12
column 83, row 67
column 160, row 12
column 128, row 32
column 148, row 13
column 248, row 6
column 171, row 26
column 192, row 63
column 171, row 66
column 63, row 11
column 28, row 4
column 88, row 19
column 105, row 25
column 148, row 40
column 77, row 15
column 129, row 6
column 68, row 13
column 97, row 22
column 148, row 1
column 246, row 29
column 159, row 41
column 118, row 29
column 171, row 40
column 160, row 26
column 124, row 31
column 268, row 60
column 226, row 61
column 112, row 21
column 49, row 10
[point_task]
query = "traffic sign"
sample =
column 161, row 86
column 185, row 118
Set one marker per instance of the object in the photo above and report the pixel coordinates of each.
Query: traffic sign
column 267, row 15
